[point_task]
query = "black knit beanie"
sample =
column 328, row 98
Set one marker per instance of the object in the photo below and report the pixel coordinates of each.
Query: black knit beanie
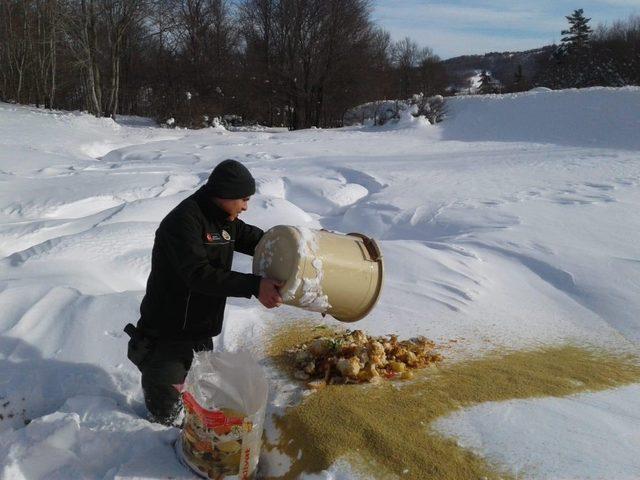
column 232, row 180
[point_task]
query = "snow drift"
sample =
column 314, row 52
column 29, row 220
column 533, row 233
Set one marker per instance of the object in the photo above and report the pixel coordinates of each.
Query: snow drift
column 513, row 223
column 598, row 117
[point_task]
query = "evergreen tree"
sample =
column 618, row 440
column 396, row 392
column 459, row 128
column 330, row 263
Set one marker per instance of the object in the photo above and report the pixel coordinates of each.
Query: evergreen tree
column 486, row 83
column 572, row 64
column 519, row 82
column 518, row 78
column 576, row 38
column 610, row 56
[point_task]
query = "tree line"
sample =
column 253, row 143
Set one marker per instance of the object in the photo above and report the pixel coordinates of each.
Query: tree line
column 297, row 63
column 294, row 63
column 608, row 55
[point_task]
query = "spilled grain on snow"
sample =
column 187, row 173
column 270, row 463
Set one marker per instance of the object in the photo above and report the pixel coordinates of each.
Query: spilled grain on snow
column 385, row 430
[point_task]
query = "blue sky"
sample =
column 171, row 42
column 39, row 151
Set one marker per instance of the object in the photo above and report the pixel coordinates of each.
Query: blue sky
column 458, row 27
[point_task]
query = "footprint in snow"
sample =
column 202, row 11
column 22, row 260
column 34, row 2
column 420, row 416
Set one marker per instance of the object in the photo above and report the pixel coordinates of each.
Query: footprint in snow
column 627, row 181
column 599, row 186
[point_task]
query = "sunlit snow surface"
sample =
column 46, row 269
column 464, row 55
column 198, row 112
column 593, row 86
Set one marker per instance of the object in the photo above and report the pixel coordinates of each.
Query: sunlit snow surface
column 513, row 223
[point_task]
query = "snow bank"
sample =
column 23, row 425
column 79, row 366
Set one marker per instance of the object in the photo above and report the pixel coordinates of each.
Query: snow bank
column 593, row 117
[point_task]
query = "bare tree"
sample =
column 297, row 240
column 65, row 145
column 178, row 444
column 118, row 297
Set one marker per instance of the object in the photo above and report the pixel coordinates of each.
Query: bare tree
column 309, row 53
column 431, row 76
column 405, row 54
column 418, row 70
column 44, row 51
column 280, row 62
column 120, row 15
column 81, row 30
column 16, row 36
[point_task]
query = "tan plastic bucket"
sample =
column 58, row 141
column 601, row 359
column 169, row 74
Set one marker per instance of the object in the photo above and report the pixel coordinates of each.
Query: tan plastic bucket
column 322, row 271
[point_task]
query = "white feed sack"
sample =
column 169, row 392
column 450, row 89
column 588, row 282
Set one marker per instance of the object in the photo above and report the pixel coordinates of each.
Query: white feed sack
column 225, row 397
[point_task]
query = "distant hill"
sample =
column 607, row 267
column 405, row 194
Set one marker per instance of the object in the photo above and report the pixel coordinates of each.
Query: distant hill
column 502, row 65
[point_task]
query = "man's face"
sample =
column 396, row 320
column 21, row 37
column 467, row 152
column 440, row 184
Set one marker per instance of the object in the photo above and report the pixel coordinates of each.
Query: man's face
column 233, row 207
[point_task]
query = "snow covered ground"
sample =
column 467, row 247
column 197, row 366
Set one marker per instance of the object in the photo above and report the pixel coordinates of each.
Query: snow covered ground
column 513, row 223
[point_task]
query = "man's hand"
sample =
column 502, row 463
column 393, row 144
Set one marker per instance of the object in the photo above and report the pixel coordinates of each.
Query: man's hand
column 269, row 295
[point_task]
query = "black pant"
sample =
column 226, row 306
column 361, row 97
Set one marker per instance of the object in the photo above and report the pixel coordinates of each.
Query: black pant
column 164, row 365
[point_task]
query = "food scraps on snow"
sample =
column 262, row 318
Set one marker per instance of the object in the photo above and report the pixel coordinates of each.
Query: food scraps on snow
column 353, row 357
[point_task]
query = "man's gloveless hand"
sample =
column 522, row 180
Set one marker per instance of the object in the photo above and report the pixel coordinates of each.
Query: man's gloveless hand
column 269, row 295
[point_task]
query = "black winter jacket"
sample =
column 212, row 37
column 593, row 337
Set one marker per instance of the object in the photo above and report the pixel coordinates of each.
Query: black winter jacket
column 191, row 275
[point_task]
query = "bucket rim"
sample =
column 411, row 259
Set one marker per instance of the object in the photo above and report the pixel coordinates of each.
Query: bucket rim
column 378, row 292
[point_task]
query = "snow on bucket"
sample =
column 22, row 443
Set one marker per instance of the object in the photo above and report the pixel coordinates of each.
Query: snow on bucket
column 322, row 271
column 224, row 397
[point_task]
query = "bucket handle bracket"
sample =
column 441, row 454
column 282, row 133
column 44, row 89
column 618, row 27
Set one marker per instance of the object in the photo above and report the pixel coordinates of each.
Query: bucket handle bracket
column 371, row 246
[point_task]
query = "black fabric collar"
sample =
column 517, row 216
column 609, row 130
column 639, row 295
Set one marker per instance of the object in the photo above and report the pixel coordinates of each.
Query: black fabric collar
column 209, row 207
